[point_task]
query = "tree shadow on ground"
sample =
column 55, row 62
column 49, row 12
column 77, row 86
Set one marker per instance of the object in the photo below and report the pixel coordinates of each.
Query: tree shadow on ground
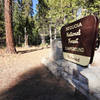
column 39, row 84
column 28, row 51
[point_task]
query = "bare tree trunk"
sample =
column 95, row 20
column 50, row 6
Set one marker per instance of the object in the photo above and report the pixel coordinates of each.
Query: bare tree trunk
column 10, row 48
column 43, row 39
column 55, row 33
column 51, row 42
column 19, row 40
column 26, row 38
column 50, row 34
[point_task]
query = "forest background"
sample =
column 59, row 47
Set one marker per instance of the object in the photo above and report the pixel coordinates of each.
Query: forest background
column 29, row 29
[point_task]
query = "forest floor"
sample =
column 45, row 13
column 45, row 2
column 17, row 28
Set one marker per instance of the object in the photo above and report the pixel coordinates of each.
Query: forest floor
column 12, row 66
column 23, row 77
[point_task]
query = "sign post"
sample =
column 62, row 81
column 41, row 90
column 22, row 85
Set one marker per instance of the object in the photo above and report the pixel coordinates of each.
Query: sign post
column 79, row 40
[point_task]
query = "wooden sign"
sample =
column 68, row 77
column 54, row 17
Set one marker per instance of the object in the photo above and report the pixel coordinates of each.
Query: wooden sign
column 79, row 39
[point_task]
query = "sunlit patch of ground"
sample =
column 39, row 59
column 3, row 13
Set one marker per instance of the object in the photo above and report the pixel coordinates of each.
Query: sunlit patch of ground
column 12, row 66
column 96, row 59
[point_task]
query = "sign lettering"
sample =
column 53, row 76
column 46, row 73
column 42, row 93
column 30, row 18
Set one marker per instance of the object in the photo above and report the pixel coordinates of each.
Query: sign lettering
column 78, row 40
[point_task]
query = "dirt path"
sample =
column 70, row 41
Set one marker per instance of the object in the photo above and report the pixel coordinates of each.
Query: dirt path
column 39, row 84
column 12, row 66
column 23, row 77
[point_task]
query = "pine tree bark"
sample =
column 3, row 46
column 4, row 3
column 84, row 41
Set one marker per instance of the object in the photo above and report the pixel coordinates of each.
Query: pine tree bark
column 25, row 38
column 10, row 48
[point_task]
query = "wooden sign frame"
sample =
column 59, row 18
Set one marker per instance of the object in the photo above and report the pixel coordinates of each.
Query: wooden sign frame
column 79, row 40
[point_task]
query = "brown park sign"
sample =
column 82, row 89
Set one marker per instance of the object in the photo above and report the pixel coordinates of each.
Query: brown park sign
column 79, row 40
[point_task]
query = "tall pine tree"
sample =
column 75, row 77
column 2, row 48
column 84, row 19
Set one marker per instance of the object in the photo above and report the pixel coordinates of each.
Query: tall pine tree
column 10, row 48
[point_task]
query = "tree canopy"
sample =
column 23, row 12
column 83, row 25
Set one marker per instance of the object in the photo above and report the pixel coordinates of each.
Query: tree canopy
column 34, row 29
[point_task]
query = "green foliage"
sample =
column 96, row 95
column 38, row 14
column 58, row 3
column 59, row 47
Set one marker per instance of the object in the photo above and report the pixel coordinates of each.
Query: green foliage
column 2, row 30
column 50, row 13
column 56, row 13
column 23, row 18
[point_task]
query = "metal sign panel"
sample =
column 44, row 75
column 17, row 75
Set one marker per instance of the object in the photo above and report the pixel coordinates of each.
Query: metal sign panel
column 78, row 40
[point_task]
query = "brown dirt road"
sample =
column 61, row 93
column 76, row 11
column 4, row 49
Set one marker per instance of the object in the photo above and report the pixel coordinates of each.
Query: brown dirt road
column 23, row 77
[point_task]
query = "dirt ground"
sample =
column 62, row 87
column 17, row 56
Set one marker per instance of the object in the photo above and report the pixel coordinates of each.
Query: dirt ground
column 23, row 77
column 14, row 65
column 96, row 59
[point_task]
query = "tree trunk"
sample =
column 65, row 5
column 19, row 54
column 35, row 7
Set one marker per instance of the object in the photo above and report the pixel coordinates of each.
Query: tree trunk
column 10, row 48
column 19, row 40
column 43, row 39
column 55, row 33
column 50, row 33
column 26, row 38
